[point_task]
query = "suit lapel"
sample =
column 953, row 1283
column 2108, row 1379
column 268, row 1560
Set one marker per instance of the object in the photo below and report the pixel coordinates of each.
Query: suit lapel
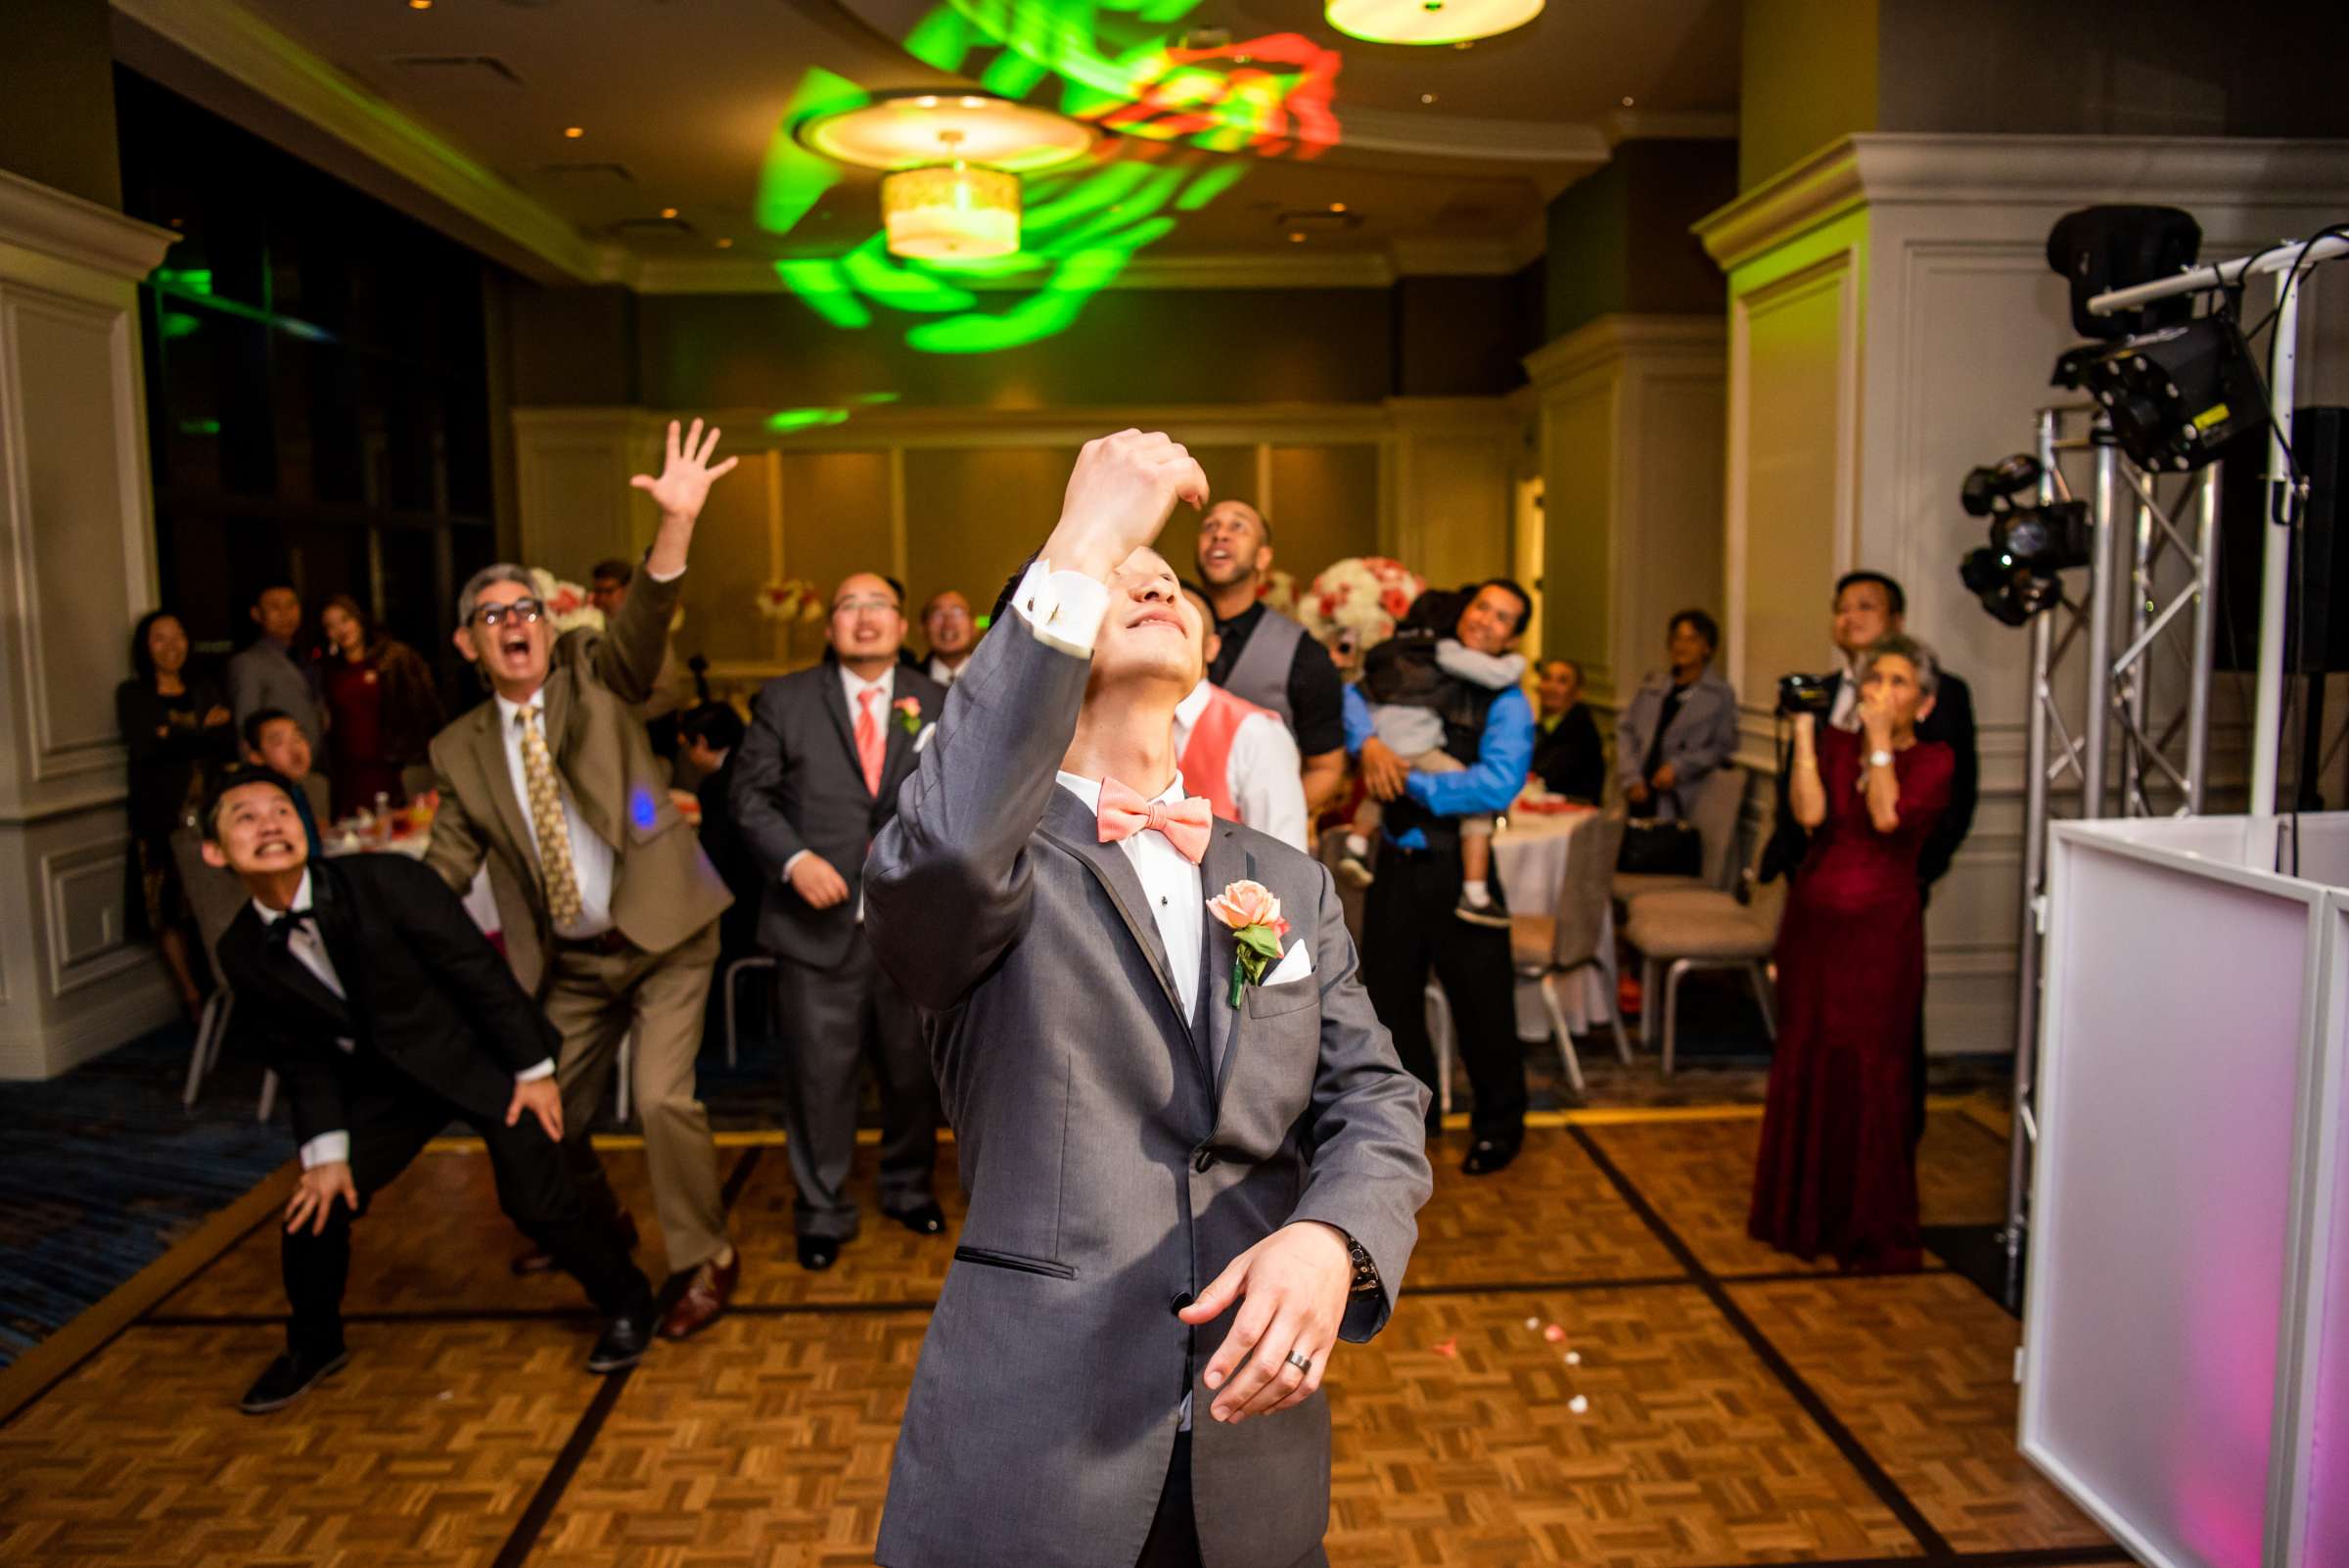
column 337, row 920
column 1067, row 825
column 292, row 976
column 1225, row 864
column 897, row 744
column 490, row 755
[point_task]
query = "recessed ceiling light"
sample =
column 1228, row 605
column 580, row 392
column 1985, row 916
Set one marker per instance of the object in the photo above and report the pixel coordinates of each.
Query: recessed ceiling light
column 725, row 245
column 1427, row 98
column 1296, row 239
column 1428, row 22
column 1337, row 207
column 668, row 211
column 1626, row 100
column 574, row 132
column 420, row 5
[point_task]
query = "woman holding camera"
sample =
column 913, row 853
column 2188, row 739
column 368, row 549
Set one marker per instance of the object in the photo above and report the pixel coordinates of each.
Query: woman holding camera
column 1837, row 1172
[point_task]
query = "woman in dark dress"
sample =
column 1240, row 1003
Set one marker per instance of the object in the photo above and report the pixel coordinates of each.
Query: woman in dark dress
column 175, row 730
column 1837, row 1172
column 380, row 704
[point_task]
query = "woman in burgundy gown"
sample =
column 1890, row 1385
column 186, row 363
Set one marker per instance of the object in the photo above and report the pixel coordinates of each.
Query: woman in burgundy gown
column 1837, row 1172
column 380, row 704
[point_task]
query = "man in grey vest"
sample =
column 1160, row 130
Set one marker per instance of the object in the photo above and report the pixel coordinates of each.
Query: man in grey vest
column 1266, row 658
column 1193, row 1159
column 267, row 673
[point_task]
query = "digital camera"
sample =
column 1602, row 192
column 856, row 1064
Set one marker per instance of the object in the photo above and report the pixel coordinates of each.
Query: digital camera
column 1806, row 694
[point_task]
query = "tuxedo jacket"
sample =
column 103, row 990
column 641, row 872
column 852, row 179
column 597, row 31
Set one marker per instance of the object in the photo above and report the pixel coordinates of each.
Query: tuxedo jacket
column 1118, row 1152
column 423, row 990
column 1950, row 722
column 798, row 785
column 663, row 889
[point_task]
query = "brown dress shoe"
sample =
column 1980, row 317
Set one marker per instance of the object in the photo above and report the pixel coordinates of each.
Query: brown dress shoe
column 704, row 1299
column 538, row 1261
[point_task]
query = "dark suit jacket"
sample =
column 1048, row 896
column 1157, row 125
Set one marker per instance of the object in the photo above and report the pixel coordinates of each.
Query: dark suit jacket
column 722, row 842
column 1951, row 723
column 798, row 786
column 1569, row 758
column 423, row 990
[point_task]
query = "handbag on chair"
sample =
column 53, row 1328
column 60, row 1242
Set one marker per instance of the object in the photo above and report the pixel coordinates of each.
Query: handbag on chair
column 1652, row 848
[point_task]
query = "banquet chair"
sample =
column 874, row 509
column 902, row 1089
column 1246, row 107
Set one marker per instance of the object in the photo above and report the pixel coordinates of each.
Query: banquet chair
column 1440, row 1037
column 735, row 971
column 1547, row 949
column 214, row 895
column 1719, row 801
column 1689, row 929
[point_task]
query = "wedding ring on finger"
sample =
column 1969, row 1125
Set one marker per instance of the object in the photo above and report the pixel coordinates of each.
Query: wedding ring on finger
column 1301, row 1362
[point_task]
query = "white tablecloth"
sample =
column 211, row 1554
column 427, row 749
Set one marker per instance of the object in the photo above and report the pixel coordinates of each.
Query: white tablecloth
column 479, row 902
column 1532, row 853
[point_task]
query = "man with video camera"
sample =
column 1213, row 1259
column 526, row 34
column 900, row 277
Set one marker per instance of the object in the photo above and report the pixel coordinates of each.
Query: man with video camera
column 1868, row 607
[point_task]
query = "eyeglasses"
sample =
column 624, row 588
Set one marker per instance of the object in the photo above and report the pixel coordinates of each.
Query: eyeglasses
column 855, row 606
column 527, row 611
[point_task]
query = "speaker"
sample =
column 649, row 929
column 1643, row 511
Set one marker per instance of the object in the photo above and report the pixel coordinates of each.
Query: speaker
column 2320, row 569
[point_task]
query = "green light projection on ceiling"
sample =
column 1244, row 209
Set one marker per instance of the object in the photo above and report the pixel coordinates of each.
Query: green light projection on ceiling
column 1116, row 63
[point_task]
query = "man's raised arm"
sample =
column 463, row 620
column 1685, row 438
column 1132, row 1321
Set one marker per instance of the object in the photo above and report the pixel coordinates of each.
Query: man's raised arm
column 946, row 882
column 627, row 657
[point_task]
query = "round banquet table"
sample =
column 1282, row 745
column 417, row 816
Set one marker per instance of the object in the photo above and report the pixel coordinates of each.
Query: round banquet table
column 1532, row 851
column 479, row 902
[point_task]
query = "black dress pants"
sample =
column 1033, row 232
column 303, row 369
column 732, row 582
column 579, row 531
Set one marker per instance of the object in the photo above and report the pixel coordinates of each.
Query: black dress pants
column 1408, row 928
column 391, row 1119
column 1173, row 1538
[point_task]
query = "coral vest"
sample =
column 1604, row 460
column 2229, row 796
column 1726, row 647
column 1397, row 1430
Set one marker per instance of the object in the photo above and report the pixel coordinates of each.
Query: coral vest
column 1206, row 760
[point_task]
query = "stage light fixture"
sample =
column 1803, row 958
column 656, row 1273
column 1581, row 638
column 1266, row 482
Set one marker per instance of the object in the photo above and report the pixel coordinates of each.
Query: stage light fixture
column 2016, row 574
column 2177, row 394
column 2100, row 249
column 1426, row 23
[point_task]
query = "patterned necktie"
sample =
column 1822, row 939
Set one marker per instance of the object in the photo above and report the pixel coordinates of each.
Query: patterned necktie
column 869, row 744
column 546, row 817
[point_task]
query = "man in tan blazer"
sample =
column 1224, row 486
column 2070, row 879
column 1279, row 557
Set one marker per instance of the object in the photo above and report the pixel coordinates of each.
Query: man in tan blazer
column 609, row 906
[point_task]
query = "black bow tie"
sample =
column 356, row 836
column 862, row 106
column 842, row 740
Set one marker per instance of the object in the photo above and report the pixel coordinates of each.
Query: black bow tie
column 281, row 930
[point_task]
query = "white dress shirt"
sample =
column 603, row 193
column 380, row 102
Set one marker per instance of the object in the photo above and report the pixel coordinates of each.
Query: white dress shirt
column 306, row 944
column 1263, row 773
column 946, row 674
column 592, row 861
column 1845, row 714
column 1170, row 882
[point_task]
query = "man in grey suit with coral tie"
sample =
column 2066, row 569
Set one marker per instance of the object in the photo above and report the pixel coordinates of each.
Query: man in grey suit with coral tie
column 1193, row 1159
column 815, row 778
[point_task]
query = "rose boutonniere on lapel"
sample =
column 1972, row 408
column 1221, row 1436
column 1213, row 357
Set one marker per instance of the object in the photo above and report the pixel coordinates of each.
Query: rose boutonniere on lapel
column 910, row 713
column 1253, row 913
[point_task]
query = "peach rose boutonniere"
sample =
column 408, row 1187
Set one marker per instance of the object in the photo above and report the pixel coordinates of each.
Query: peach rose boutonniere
column 910, row 713
column 1253, row 913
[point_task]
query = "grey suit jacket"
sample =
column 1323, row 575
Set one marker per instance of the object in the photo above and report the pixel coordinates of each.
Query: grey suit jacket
column 1703, row 736
column 261, row 676
column 798, row 785
column 1112, row 1169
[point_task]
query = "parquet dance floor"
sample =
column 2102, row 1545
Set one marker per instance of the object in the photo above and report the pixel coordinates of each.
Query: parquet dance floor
column 1724, row 1405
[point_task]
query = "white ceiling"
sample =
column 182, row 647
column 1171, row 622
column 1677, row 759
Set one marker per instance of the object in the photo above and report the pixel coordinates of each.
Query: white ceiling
column 680, row 101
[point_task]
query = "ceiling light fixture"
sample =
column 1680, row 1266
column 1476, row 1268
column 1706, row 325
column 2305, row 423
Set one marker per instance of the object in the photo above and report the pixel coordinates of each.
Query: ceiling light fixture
column 725, row 245
column 896, row 131
column 1296, row 239
column 420, row 5
column 668, row 211
column 1337, row 207
column 1626, row 100
column 951, row 213
column 574, row 132
column 1428, row 22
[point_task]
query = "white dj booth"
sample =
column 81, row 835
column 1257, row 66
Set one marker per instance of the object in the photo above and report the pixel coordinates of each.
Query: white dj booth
column 2185, row 1363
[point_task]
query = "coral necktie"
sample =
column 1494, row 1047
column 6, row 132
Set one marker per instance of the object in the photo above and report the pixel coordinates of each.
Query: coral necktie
column 869, row 744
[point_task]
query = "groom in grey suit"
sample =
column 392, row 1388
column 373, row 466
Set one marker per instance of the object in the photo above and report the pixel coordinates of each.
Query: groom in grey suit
column 1185, row 1185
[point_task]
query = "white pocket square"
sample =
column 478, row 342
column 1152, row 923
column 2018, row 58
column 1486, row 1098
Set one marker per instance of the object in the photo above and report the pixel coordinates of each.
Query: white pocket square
column 1295, row 964
column 923, row 739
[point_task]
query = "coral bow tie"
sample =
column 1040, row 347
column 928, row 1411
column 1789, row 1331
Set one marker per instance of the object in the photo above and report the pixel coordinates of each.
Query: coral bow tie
column 1184, row 823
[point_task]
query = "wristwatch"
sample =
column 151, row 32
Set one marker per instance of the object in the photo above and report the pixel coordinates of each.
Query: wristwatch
column 1879, row 759
column 1365, row 1273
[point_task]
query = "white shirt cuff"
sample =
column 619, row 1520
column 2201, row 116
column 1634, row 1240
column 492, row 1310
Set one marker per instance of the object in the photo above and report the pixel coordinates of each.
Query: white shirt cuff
column 1064, row 609
column 327, row 1148
column 659, row 577
column 531, row 1075
column 796, row 856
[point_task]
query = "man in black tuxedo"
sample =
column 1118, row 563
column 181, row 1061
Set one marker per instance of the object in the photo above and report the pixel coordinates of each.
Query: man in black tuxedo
column 1868, row 607
column 814, row 781
column 367, row 988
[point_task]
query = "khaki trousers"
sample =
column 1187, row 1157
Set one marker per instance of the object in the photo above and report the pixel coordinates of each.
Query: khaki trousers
column 596, row 1000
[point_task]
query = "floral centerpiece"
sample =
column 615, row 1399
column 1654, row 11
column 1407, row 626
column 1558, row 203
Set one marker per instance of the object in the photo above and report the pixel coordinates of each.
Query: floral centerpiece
column 567, row 603
column 794, row 600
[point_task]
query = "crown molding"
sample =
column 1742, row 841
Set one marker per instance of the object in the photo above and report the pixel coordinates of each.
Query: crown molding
column 1348, row 269
column 1418, row 256
column 1455, row 136
column 230, row 40
column 1657, row 125
column 1882, row 170
column 1611, row 337
column 41, row 219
